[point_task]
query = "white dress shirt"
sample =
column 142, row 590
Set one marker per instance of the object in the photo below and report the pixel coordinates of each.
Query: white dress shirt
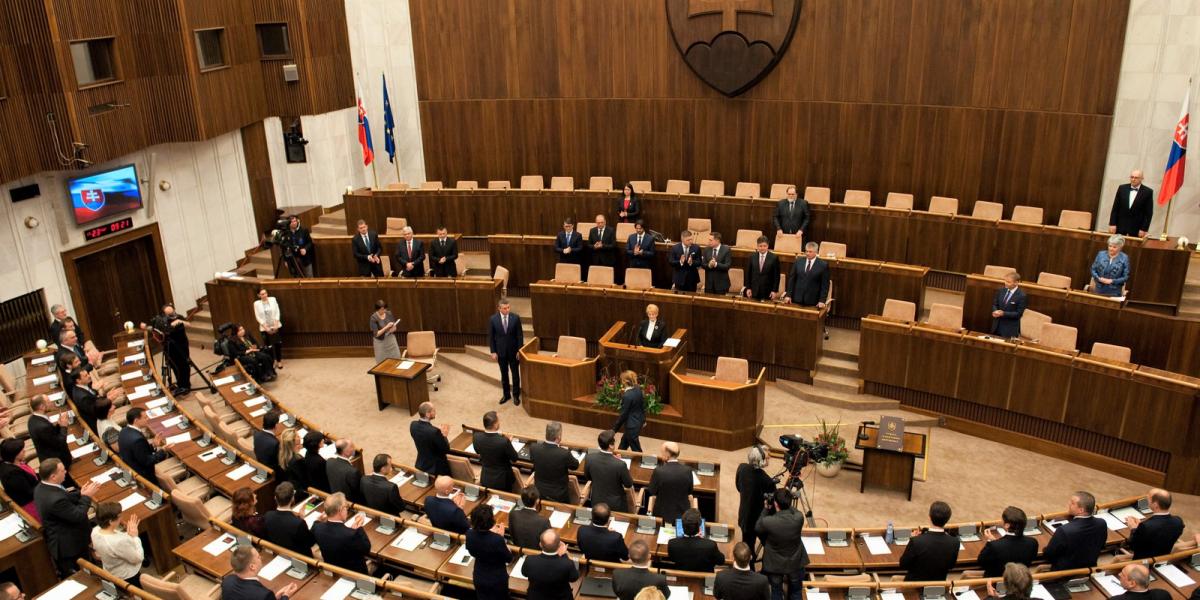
column 267, row 313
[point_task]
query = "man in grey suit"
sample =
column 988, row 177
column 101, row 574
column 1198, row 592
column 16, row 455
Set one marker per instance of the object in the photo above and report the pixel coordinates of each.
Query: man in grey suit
column 717, row 260
column 343, row 477
column 628, row 582
column 64, row 515
column 740, row 582
column 608, row 473
column 784, row 556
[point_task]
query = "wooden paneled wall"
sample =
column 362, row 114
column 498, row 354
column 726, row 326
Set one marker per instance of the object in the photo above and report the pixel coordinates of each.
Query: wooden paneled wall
column 1002, row 100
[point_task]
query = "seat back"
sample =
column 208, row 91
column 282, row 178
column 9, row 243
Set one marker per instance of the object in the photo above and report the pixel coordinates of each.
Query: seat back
column 1058, row 336
column 837, row 249
column 788, row 242
column 245, row 444
column 399, row 185
column 1075, row 219
column 562, row 184
column 1054, row 280
column 1111, row 351
column 996, row 270
column 736, row 370
column 7, row 383
column 567, row 273
column 737, row 279
column 899, row 309
column 431, row 185
column 574, row 490
column 699, row 225
column 712, row 187
column 226, row 432
column 167, row 590
column 421, row 344
column 501, row 274
column 992, row 211
column 460, row 469
column 816, row 195
column 395, row 224
column 857, row 198
column 638, row 279
column 210, row 415
column 624, row 230
column 499, row 184
column 747, row 190
column 943, row 205
column 779, row 190
column 572, row 347
column 641, row 187
column 600, row 184
column 679, row 186
column 466, row 184
column 532, row 182
column 899, row 201
column 747, row 238
column 193, row 510
column 460, row 266
column 600, row 275
column 1027, row 214
column 945, row 315
column 1032, row 322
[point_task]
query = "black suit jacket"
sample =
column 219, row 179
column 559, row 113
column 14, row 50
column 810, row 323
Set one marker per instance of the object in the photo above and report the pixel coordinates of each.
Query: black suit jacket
column 631, row 213
column 552, row 465
column 656, row 339
column 1010, row 548
column 304, row 241
column 645, row 260
column 18, row 483
column 695, row 554
column 550, row 576
column 443, row 513
column 791, row 221
column 929, row 556
column 432, row 447
column 783, row 552
column 55, row 330
column 628, row 582
column 447, row 250
column 137, row 452
column 49, row 440
column 670, row 485
column 762, row 283
column 361, row 251
column 609, row 477
column 633, row 412
column 496, row 456
column 266, row 450
column 752, row 485
column 733, row 584
column 85, row 402
column 1077, row 544
column 526, row 527
column 1009, row 325
column 606, row 254
column 342, row 546
column 402, row 256
column 807, row 289
column 686, row 276
column 575, row 243
column 601, row 543
column 287, row 529
column 236, row 588
column 344, row 478
column 1132, row 220
column 64, row 520
column 315, row 472
column 505, row 344
column 716, row 278
column 1155, row 536
column 381, row 494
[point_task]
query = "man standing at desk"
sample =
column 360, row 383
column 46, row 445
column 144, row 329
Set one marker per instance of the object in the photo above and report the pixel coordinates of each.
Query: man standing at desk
column 808, row 283
column 791, row 214
column 568, row 244
column 443, row 254
column 762, row 273
column 1008, row 306
column 640, row 247
column 430, row 440
column 367, row 250
column 602, row 239
column 717, row 260
column 1133, row 207
column 552, row 465
column 505, row 338
column 685, row 263
column 496, row 454
column 1077, row 544
column 409, row 260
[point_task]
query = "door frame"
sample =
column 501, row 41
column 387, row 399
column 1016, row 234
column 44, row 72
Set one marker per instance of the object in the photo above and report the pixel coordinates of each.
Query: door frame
column 71, row 269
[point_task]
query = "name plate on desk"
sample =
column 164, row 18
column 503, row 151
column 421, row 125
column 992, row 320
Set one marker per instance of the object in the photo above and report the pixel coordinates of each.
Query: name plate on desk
column 891, row 433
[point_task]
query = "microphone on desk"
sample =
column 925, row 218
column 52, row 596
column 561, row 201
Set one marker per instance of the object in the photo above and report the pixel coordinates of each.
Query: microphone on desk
column 862, row 432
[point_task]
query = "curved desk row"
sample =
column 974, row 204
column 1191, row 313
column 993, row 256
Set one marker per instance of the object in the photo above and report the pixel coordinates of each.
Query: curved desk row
column 957, row 244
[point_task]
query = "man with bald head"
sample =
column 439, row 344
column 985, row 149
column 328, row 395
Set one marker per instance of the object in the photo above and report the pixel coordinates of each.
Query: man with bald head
column 343, row 476
column 670, row 491
column 550, row 573
column 1077, row 543
column 1132, row 208
column 1136, row 581
column 445, row 507
column 1155, row 535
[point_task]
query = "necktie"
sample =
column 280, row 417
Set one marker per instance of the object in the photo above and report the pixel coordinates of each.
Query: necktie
column 762, row 259
column 791, row 205
column 601, row 234
column 808, row 265
column 1009, row 295
column 365, row 244
column 504, row 321
column 410, row 248
column 639, row 239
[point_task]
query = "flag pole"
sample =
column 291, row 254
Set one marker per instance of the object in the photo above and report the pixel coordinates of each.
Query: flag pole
column 375, row 175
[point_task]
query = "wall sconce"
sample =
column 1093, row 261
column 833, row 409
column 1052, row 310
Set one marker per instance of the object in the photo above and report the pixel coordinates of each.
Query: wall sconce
column 164, row 185
column 32, row 222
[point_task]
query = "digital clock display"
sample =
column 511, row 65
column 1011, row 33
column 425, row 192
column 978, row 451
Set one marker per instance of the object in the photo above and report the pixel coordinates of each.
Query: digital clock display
column 93, row 233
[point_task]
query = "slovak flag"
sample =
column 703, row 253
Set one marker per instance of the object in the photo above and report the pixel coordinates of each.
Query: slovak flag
column 1173, row 177
column 364, row 134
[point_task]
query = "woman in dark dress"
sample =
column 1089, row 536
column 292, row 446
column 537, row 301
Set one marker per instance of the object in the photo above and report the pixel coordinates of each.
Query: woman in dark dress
column 633, row 412
column 485, row 542
column 629, row 206
column 314, row 463
column 17, row 477
column 753, row 484
column 264, row 364
column 290, row 460
column 245, row 516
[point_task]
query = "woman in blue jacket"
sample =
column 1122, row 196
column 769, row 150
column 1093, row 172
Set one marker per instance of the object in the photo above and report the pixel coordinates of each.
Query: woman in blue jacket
column 633, row 412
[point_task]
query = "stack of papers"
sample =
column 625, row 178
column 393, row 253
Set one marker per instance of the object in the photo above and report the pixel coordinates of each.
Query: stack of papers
column 410, row 539
column 42, row 360
column 621, row 527
column 46, row 379
column 813, row 544
column 1039, row 592
column 516, row 570
column 1175, row 575
column 10, row 525
column 1113, row 523
column 461, row 557
column 1127, row 511
column 671, row 343
column 223, row 381
column 64, row 591
column 666, row 533
column 404, row 365
column 83, row 450
column 815, row 594
column 1111, row 585
column 501, row 504
column 681, row 592
column 220, row 545
column 240, row 472
column 132, row 500
column 312, row 518
column 339, row 590
column 558, row 519
column 401, row 478
column 272, row 569
column 876, row 544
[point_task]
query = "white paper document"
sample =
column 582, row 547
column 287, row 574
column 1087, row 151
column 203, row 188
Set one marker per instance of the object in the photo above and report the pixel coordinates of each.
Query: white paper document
column 327, row 451
column 45, row 379
column 1111, row 585
column 965, row 594
column 218, row 546
column 240, row 472
column 179, row 439
column 517, row 445
column 665, row 534
column 404, row 365
column 255, row 401
column 695, row 478
column 217, row 452
column 558, row 519
column 1039, row 592
column 410, row 539
column 138, row 394
column 260, row 412
column 84, row 450
column 126, row 376
column 470, row 449
column 876, row 545
column 679, row 592
column 223, row 381
column 272, row 569
column 64, row 591
column 42, row 360
column 339, row 590
column 173, row 421
column 401, row 478
column 132, row 500
column 579, row 455
column 813, row 545
column 10, row 525
column 621, row 527
column 461, row 556
column 516, row 570
column 55, row 397
column 815, row 594
column 1175, row 575
column 134, row 357
column 157, row 403
column 894, row 595
column 671, row 343
column 1127, row 511
column 1111, row 520
column 501, row 504
column 628, row 463
column 136, row 343
column 106, row 476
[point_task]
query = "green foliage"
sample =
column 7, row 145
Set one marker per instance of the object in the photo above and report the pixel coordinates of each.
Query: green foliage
column 608, row 394
column 837, row 445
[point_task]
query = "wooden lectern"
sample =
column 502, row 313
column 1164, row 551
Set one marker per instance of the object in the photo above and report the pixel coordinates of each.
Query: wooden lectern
column 888, row 469
column 552, row 377
column 654, row 363
column 405, row 387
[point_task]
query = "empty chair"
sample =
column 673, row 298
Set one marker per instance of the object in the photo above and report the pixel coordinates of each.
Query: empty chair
column 399, row 185
column 395, row 225
column 562, row 184
column 460, row 266
column 431, row 185
column 1111, row 351
column 899, row 309
column 641, row 186
column 624, row 230
column 499, row 184
column 816, row 195
column 945, row 315
column 712, row 187
column 197, row 513
column 572, row 347
column 599, row 275
column 992, row 211
column 1032, row 322
column 747, row 190
column 190, row 587
column 638, row 279
column 747, row 238
column 736, row 370
column 836, row 249
column 679, row 186
column 996, row 271
column 1075, row 219
column 532, row 182
column 502, row 274
column 460, row 469
column 567, row 273
column 702, row 229
column 1058, row 336
column 467, row 184
column 788, row 242
column 899, row 201
column 779, row 190
column 857, row 198
column 600, row 184
column 737, row 280
column 421, row 346
column 1054, row 280
column 943, row 205
column 1027, row 214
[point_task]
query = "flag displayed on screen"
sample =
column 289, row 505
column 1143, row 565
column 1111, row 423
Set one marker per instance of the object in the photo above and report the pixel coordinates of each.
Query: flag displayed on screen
column 1173, row 176
column 389, row 140
column 364, row 134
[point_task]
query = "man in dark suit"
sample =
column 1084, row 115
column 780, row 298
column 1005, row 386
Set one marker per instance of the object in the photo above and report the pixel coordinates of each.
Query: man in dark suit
column 59, row 312
column 505, row 338
column 1012, row 546
column 762, row 273
column 717, row 260
column 627, row 583
column 552, row 465
column 1008, row 306
column 1133, row 208
column 740, row 582
column 243, row 583
column 48, row 434
column 931, row 554
column 692, row 552
column 64, row 515
column 343, row 476
column 1077, row 544
column 444, row 507
column 1135, row 579
column 670, row 490
column 136, row 450
column 69, row 344
column 685, row 264
column 367, row 251
column 342, row 544
column 1157, row 534
column 496, row 454
column 409, row 260
column 568, row 244
column 598, row 542
column 784, row 556
column 527, row 523
column 377, row 491
column 305, row 248
column 791, row 214
column 284, row 527
column 443, row 252
column 640, row 247
column 85, row 398
column 266, row 445
column 602, row 239
column 808, row 283
column 550, row 573
column 608, row 473
column 431, row 441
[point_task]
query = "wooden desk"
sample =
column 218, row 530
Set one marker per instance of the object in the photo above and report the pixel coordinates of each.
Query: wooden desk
column 335, row 257
column 618, row 354
column 90, row 582
column 401, row 387
column 888, row 469
column 30, row 560
column 721, row 414
column 549, row 376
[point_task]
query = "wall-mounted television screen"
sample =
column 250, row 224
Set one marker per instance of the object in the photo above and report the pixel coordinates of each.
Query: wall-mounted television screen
column 99, row 195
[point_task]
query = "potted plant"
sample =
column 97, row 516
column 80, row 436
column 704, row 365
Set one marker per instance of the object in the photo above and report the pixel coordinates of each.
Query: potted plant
column 831, row 464
column 608, row 394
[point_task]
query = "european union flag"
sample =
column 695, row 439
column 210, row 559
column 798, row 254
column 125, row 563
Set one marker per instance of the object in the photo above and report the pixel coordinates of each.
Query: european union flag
column 389, row 141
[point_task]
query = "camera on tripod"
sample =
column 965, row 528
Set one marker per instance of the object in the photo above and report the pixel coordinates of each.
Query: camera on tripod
column 799, row 453
column 281, row 235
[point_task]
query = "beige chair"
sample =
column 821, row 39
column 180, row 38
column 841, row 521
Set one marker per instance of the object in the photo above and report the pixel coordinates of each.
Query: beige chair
column 899, row 309
column 641, row 187
column 838, row 250
column 638, row 279
column 502, row 274
column 572, row 347
column 1032, row 323
column 600, row 275
column 466, row 184
column 230, row 432
column 173, row 587
column 996, row 271
column 943, row 205
column 992, row 211
column 701, row 229
column 421, row 346
column 575, row 493
column 1031, row 215
column 562, row 184
column 816, row 195
column 747, row 238
column 747, row 190
column 712, row 187
column 395, row 224
column 532, row 182
column 779, row 190
column 8, row 383
column 737, row 280
column 788, row 242
column 1054, row 280
column 399, row 185
column 634, row 497
column 945, row 315
column 431, row 185
column 1112, row 352
column 499, row 184
column 1058, row 336
column 460, row 266
column 197, row 513
column 679, row 186
column 600, row 184
column 624, row 230
column 1075, row 219
column 460, row 469
column 857, row 198
column 782, row 288
column 245, row 444
column 899, row 201
column 736, row 370
column 859, row 578
column 567, row 273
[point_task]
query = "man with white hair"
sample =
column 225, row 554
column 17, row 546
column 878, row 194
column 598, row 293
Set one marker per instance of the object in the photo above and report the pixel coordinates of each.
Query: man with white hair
column 1133, row 207
column 409, row 260
column 59, row 312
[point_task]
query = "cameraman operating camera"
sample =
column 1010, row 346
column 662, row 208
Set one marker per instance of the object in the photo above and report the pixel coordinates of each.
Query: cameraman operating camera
column 297, row 247
column 753, row 486
column 784, row 556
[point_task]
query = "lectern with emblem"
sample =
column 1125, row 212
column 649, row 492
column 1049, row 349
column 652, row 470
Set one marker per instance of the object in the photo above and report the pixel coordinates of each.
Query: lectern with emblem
column 889, row 455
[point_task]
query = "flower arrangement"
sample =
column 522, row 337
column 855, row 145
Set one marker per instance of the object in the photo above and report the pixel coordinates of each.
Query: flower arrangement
column 837, row 445
column 608, row 394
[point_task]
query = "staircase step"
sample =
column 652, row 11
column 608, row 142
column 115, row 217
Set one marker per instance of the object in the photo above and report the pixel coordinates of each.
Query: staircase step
column 836, row 398
column 469, row 364
column 328, row 230
column 201, row 317
column 827, row 352
column 335, row 217
column 832, row 381
column 837, row 366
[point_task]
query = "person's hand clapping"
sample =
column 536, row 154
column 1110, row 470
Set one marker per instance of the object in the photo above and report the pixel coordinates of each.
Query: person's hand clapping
column 89, row 489
column 288, row 589
column 131, row 526
column 459, row 499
